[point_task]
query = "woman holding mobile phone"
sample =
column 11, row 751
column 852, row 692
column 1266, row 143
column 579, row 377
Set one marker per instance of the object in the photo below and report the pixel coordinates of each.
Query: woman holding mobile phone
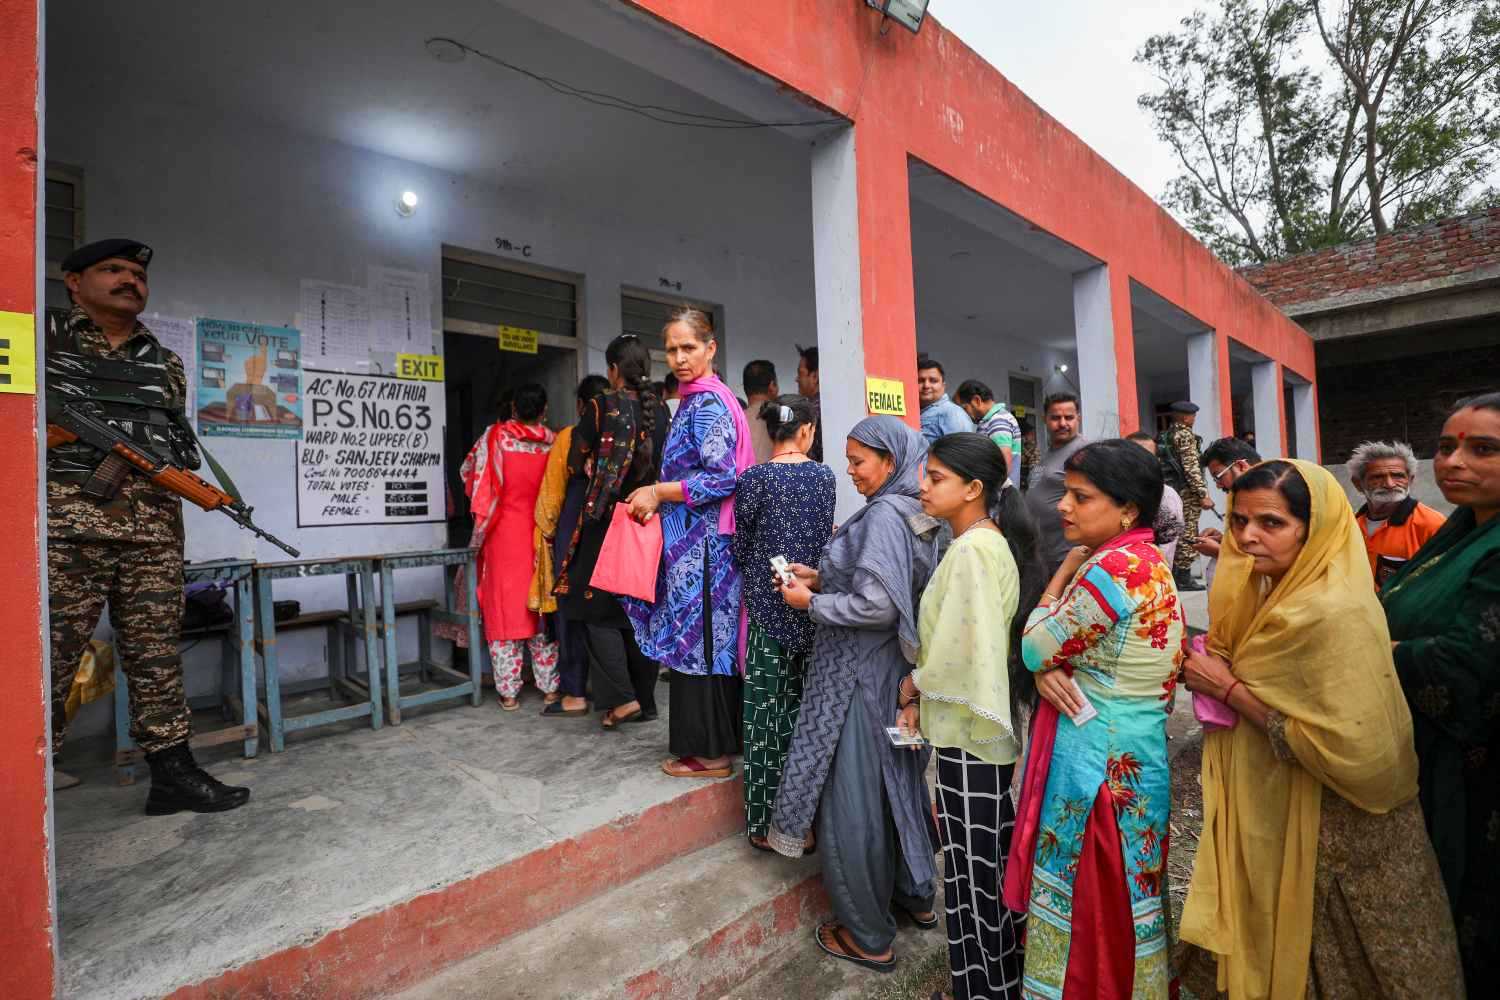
column 783, row 507
column 1105, row 645
column 874, row 818
column 965, row 695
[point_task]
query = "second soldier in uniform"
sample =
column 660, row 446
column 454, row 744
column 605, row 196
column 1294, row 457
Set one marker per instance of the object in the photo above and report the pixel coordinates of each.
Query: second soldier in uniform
column 1180, row 450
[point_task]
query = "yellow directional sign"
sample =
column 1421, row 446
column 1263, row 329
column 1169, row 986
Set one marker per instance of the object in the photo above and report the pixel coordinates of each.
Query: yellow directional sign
column 18, row 353
column 518, row 339
column 886, row 395
column 423, row 367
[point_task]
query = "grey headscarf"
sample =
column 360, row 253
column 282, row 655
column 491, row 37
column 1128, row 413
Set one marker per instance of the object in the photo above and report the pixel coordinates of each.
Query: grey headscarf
column 857, row 543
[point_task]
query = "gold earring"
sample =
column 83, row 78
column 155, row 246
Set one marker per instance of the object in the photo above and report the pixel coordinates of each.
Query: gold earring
column 1125, row 522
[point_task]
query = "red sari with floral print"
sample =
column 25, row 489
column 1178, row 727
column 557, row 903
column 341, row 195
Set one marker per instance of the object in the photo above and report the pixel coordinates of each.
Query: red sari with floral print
column 502, row 477
column 1088, row 860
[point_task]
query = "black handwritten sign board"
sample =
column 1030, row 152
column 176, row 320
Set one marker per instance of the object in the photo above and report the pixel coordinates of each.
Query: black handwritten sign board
column 372, row 451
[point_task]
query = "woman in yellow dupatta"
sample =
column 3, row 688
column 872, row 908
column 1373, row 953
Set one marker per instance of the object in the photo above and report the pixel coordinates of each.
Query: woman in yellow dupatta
column 1314, row 876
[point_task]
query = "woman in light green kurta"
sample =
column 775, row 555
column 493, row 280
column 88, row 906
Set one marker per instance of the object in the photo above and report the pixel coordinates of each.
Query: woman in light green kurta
column 968, row 679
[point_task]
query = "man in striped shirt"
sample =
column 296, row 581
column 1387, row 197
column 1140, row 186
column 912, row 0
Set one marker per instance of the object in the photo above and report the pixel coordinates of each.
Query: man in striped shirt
column 994, row 421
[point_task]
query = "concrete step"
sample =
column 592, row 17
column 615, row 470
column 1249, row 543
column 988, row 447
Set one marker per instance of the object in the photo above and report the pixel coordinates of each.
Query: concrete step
column 696, row 927
column 802, row 972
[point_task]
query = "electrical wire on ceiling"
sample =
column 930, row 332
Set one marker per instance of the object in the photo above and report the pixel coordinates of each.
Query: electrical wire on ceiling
column 655, row 112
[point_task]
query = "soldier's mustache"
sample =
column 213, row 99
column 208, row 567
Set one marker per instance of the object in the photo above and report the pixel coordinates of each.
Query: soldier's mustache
column 127, row 290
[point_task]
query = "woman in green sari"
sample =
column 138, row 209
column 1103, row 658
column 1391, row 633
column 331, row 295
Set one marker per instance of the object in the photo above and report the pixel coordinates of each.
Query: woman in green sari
column 1443, row 608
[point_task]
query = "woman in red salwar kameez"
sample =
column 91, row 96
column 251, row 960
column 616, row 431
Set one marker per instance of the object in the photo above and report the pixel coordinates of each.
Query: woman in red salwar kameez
column 502, row 477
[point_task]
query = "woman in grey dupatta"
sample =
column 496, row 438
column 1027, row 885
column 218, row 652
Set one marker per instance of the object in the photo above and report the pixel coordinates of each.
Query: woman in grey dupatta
column 874, row 819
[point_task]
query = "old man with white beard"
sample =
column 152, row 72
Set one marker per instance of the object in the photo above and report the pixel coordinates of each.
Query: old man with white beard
column 1395, row 525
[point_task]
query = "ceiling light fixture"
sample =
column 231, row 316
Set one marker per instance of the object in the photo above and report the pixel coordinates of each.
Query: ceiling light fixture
column 406, row 204
column 445, row 50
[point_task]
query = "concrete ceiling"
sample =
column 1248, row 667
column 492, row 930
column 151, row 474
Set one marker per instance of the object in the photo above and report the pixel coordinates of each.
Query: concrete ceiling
column 360, row 74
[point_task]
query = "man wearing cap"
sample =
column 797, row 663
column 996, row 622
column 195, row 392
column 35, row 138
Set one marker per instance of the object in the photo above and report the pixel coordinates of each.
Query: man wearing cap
column 1180, row 448
column 121, row 541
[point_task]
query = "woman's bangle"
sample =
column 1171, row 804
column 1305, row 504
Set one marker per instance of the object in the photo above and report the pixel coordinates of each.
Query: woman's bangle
column 1049, row 598
column 1230, row 691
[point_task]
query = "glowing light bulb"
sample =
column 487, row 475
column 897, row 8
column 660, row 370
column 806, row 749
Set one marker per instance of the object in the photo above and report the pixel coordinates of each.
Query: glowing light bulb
column 407, row 204
column 1063, row 369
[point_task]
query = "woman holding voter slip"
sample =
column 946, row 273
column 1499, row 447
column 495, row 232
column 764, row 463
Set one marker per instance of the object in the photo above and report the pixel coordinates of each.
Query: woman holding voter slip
column 874, row 822
column 617, row 442
column 783, row 510
column 1314, row 876
column 693, row 626
column 1088, row 858
column 965, row 693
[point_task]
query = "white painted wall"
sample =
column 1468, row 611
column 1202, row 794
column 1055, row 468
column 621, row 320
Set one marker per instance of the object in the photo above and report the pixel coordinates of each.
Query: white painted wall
column 239, row 212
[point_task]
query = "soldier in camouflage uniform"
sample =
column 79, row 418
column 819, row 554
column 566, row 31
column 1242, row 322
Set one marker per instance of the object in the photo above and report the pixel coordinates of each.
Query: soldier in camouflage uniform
column 1187, row 470
column 126, row 549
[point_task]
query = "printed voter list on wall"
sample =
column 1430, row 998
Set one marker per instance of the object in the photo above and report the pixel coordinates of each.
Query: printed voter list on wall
column 249, row 380
column 373, row 451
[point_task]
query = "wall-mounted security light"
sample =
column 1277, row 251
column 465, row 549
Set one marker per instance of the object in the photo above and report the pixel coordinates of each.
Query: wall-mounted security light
column 907, row 13
column 406, row 204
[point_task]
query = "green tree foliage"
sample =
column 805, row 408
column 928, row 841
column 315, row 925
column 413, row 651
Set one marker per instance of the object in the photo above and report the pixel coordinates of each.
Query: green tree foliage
column 1306, row 123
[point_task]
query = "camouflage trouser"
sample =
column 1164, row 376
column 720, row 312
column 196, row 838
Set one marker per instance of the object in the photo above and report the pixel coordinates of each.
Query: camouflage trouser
column 1192, row 509
column 143, row 584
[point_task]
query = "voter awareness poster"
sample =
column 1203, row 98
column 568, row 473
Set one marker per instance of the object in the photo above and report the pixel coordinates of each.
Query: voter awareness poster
column 249, row 380
column 372, row 452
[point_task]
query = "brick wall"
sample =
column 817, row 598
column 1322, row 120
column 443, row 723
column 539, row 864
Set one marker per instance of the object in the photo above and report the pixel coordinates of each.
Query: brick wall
column 1439, row 249
column 1403, row 398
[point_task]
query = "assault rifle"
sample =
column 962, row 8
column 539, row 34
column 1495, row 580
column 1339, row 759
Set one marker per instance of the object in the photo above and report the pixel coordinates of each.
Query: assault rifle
column 69, row 423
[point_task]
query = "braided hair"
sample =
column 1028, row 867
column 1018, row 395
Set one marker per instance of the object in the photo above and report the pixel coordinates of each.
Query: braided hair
column 628, row 355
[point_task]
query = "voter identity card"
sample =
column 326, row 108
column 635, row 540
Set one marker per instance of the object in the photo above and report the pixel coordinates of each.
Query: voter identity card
column 1088, row 712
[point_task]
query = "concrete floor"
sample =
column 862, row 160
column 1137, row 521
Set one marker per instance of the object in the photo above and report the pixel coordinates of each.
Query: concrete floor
column 340, row 825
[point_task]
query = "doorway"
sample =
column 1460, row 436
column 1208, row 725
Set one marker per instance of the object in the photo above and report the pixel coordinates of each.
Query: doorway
column 540, row 311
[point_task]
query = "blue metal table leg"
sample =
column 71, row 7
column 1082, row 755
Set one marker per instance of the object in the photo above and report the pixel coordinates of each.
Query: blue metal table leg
column 477, row 652
column 372, row 650
column 392, row 661
column 244, row 614
column 265, row 620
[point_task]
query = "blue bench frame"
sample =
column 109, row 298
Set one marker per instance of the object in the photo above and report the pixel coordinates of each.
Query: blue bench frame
column 455, row 562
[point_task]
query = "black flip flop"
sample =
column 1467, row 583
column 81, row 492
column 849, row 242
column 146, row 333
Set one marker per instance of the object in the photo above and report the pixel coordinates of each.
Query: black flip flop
column 760, row 847
column 555, row 710
column 848, row 954
column 642, row 717
column 610, row 727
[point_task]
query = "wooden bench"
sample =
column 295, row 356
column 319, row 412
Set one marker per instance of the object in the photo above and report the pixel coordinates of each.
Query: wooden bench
column 457, row 564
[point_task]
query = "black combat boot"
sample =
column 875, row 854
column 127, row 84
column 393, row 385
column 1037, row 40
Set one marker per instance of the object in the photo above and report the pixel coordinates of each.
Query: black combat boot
column 178, row 783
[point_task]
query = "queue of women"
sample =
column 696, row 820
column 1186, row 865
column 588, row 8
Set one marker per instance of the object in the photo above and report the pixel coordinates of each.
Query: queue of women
column 1349, row 845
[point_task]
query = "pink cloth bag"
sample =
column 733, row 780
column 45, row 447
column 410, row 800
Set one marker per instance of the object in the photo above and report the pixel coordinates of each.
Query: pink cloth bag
column 629, row 557
column 1210, row 712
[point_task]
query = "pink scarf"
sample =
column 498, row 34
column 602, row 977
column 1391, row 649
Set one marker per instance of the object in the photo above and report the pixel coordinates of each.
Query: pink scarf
column 744, row 452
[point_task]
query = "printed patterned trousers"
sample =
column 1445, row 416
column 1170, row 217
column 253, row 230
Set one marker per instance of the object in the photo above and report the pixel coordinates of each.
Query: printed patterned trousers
column 773, row 696
column 143, row 584
column 508, row 657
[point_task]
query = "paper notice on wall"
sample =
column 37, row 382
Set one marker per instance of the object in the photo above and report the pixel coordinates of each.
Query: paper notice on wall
column 179, row 335
column 249, row 380
column 335, row 325
column 400, row 311
column 373, row 451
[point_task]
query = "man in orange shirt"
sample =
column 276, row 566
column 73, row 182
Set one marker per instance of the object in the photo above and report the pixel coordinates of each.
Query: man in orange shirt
column 1394, row 523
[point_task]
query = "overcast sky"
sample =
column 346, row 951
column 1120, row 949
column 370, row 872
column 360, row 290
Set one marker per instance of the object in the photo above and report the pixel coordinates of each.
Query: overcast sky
column 1073, row 57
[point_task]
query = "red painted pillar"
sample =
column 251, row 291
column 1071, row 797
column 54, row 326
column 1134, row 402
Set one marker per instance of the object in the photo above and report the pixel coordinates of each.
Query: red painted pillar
column 887, row 284
column 1127, row 400
column 26, row 917
column 1226, row 389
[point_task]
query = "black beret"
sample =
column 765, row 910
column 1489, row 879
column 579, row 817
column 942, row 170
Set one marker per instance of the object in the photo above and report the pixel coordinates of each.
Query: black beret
column 1183, row 406
column 90, row 254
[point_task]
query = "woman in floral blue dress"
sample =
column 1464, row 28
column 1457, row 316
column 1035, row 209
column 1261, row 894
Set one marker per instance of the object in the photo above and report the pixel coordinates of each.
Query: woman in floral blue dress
column 693, row 626
column 1088, row 860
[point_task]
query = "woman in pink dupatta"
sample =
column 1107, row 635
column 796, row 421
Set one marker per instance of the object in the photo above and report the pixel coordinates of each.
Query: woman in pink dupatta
column 502, row 477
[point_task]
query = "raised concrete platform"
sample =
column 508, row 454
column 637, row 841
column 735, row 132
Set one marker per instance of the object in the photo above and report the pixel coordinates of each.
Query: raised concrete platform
column 367, row 861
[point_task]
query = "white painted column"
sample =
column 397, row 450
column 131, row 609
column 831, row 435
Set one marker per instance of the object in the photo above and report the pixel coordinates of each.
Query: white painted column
column 1097, row 384
column 1203, row 389
column 841, row 347
column 1265, row 381
column 1305, row 413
